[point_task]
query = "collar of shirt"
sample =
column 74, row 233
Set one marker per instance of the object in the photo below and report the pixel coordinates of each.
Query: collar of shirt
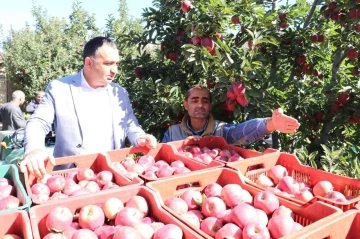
column 85, row 84
column 199, row 132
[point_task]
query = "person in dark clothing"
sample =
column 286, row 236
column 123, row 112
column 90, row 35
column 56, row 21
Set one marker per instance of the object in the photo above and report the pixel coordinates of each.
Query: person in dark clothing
column 11, row 115
column 34, row 104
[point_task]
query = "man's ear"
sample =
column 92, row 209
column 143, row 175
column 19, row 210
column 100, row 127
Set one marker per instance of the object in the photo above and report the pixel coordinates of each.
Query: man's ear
column 185, row 104
column 87, row 62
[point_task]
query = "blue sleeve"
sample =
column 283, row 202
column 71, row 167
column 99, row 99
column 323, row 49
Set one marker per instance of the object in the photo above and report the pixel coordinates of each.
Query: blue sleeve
column 246, row 132
column 166, row 137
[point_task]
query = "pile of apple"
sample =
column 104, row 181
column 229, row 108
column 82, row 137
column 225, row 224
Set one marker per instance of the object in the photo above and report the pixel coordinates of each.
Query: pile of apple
column 278, row 181
column 110, row 220
column 7, row 195
column 80, row 182
column 146, row 165
column 207, row 155
column 232, row 212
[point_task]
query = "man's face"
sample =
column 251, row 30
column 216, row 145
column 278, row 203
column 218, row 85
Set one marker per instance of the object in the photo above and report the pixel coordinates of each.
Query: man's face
column 39, row 97
column 198, row 104
column 104, row 66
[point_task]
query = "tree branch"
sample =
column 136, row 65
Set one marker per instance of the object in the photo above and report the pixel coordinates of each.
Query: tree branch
column 311, row 13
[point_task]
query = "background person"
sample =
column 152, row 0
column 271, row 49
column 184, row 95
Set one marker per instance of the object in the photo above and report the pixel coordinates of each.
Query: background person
column 90, row 111
column 11, row 116
column 198, row 122
column 35, row 103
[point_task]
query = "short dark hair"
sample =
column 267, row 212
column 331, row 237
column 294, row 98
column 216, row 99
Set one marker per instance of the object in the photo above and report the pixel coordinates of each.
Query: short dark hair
column 198, row 87
column 91, row 47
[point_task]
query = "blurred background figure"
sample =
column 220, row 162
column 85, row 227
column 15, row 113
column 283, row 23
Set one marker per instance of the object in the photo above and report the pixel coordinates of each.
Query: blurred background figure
column 11, row 116
column 35, row 103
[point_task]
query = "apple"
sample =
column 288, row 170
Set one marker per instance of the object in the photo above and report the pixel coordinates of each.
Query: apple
column 177, row 164
column 128, row 216
column 343, row 98
column 4, row 182
column 304, row 195
column 178, row 205
column 255, row 230
column 281, row 226
column 59, row 219
column 336, row 196
column 91, row 217
column 243, row 214
column 54, row 235
column 148, row 220
column 229, row 230
column 186, row 6
column 213, row 190
column 165, row 171
column 136, row 168
column 211, row 225
column 181, row 170
column 276, row 173
column 119, row 167
column 127, row 162
column 301, row 59
column 138, row 72
column 233, row 194
column 70, row 188
column 157, row 225
column 44, row 179
column 7, row 190
column 196, row 40
column 146, row 161
column 56, row 183
column 168, row 231
column 266, row 201
column 85, row 174
column 262, row 218
column 264, row 181
column 352, row 54
column 208, row 43
column 213, row 207
column 84, row 234
column 92, row 187
column 322, row 188
column 288, row 184
column 235, row 19
column 192, row 198
column 9, row 202
column 145, row 230
column 139, row 203
column 160, row 163
column 69, row 232
column 105, row 232
column 197, row 213
column 40, row 198
column 111, row 207
column 104, row 177
column 191, row 219
column 213, row 153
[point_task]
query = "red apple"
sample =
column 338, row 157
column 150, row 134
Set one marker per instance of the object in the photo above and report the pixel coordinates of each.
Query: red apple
column 146, row 231
column 233, row 194
column 84, row 234
column 208, row 43
column 213, row 207
column 7, row 190
column 56, row 183
column 104, row 177
column 255, row 230
column 352, row 54
column 178, row 205
column 128, row 216
column 343, row 98
column 211, row 225
column 244, row 214
column 235, row 19
column 59, row 219
column 213, row 190
column 168, row 231
column 229, row 230
column 192, row 198
column 304, row 195
column 266, row 201
column 139, row 203
column 276, row 173
column 85, row 174
column 282, row 210
column 281, row 226
column 196, row 40
column 9, row 202
column 322, row 188
column 111, row 207
column 264, row 181
column 91, row 217
column 186, row 6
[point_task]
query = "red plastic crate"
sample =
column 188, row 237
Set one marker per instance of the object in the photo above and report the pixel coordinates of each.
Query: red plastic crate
column 38, row 213
column 16, row 222
column 161, row 152
column 219, row 142
column 257, row 166
column 97, row 162
column 310, row 216
column 344, row 226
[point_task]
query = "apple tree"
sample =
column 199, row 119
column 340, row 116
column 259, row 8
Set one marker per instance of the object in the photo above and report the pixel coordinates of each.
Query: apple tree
column 254, row 56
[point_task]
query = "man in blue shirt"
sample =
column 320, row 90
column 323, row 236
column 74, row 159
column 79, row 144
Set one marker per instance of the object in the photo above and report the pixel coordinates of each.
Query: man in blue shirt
column 199, row 122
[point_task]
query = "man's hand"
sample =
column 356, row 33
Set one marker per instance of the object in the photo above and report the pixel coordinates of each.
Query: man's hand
column 281, row 122
column 147, row 140
column 34, row 162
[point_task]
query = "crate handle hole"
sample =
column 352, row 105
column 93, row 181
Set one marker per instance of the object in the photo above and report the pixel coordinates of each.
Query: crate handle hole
column 187, row 185
column 255, row 167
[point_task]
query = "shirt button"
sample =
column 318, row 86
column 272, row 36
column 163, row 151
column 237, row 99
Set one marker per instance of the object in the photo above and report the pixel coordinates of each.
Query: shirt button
column 78, row 146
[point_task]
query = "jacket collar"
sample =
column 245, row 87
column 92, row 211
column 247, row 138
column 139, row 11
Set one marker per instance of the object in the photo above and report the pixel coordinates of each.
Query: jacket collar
column 208, row 131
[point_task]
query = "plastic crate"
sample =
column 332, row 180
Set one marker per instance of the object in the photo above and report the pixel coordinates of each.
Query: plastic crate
column 16, row 222
column 38, row 213
column 344, row 226
column 219, row 142
column 161, row 152
column 310, row 216
column 257, row 166
column 11, row 172
column 97, row 162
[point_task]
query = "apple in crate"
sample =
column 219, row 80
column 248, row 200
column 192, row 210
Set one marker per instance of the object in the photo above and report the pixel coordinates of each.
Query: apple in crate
column 85, row 174
column 84, row 233
column 229, row 230
column 128, row 216
column 4, row 182
column 255, row 230
column 168, row 231
column 59, row 219
column 192, row 198
column 111, row 207
column 178, row 205
column 213, row 190
column 146, row 161
column 54, row 235
column 266, row 201
column 211, row 225
column 276, row 173
column 39, row 188
column 9, row 202
column 56, row 183
column 6, row 191
column 127, row 232
column 10, row 236
column 139, row 203
column 213, row 207
column 91, row 217
column 280, row 226
column 322, row 188
column 145, row 230
column 104, row 177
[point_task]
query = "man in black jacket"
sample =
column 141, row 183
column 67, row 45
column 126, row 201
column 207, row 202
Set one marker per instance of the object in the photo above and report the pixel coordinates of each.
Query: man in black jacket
column 11, row 115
